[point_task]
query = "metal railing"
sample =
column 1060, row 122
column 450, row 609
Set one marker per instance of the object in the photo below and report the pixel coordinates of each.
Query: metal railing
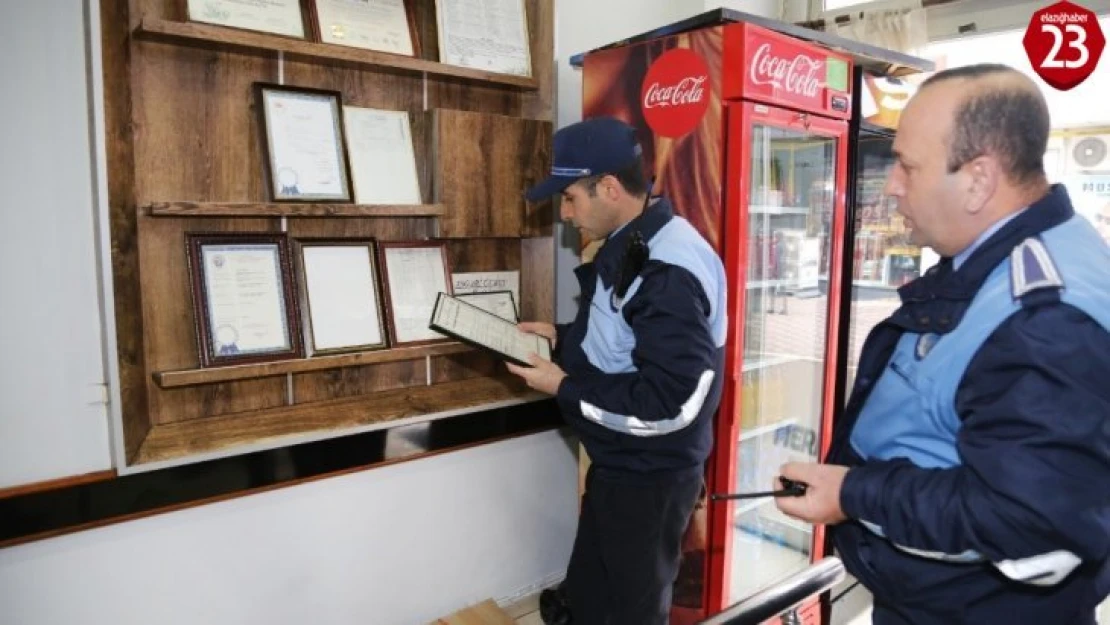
column 783, row 596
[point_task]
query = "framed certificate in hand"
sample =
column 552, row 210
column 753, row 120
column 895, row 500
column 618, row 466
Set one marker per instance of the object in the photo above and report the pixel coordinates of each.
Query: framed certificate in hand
column 500, row 303
column 277, row 17
column 474, row 326
column 243, row 302
column 414, row 273
column 306, row 157
column 342, row 302
column 383, row 25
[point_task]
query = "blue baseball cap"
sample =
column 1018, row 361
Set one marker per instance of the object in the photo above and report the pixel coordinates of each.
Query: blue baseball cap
column 601, row 145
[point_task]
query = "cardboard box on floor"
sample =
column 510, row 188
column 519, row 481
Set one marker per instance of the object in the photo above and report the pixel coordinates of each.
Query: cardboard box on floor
column 485, row 613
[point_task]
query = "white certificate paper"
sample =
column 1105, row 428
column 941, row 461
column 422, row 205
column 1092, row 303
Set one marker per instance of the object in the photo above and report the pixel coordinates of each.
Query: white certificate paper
column 383, row 163
column 280, row 17
column 417, row 275
column 342, row 297
column 488, row 282
column 490, row 35
column 478, row 327
column 306, row 149
column 500, row 303
column 246, row 301
column 371, row 24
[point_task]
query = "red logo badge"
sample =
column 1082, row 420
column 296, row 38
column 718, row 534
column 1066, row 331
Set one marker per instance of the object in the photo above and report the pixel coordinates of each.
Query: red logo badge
column 675, row 92
column 1064, row 43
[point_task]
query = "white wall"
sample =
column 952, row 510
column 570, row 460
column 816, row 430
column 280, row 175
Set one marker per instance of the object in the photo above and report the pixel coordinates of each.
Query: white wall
column 400, row 545
column 396, row 545
column 53, row 421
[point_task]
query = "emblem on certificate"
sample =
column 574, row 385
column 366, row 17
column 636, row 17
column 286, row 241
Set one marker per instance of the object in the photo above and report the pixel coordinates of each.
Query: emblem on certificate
column 382, row 25
column 243, row 303
column 306, row 155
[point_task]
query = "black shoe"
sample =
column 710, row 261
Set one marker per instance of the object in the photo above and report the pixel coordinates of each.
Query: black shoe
column 553, row 608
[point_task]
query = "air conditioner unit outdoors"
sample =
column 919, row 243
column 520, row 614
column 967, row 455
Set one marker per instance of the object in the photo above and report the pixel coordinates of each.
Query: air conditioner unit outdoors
column 1088, row 154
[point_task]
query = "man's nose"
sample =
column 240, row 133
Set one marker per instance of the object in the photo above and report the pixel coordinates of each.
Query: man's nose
column 566, row 210
column 894, row 186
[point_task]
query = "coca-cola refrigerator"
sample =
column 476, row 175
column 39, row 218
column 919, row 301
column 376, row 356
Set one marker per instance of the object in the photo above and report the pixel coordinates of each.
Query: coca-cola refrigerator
column 744, row 125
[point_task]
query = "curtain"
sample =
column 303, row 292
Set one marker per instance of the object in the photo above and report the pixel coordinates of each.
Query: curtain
column 902, row 30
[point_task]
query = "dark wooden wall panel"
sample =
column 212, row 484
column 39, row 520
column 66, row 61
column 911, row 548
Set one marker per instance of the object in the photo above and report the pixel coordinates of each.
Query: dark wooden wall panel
column 183, row 126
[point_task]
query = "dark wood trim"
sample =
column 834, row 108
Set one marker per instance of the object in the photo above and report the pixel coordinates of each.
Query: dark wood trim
column 264, row 209
column 61, row 482
column 68, row 509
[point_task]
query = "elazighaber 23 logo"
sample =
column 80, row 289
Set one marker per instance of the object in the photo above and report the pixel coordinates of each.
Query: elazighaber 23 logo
column 1064, row 43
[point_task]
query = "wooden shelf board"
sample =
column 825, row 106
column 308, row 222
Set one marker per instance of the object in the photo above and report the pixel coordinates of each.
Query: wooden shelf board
column 263, row 209
column 213, row 375
column 206, row 33
column 215, row 434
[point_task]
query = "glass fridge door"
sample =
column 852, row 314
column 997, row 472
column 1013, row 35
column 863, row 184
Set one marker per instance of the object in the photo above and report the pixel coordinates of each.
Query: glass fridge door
column 883, row 258
column 793, row 179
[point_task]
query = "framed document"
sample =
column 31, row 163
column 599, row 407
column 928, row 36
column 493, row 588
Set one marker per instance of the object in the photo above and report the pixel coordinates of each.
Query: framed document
column 474, row 326
column 383, row 25
column 414, row 274
column 306, row 160
column 277, row 17
column 342, row 301
column 500, row 303
column 490, row 35
column 383, row 161
column 243, row 299
column 488, row 282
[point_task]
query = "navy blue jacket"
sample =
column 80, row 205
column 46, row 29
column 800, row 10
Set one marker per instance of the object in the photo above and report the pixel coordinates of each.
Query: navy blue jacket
column 1035, row 455
column 644, row 372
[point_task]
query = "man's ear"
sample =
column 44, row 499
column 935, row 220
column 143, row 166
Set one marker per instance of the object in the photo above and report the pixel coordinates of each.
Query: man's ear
column 612, row 188
column 985, row 174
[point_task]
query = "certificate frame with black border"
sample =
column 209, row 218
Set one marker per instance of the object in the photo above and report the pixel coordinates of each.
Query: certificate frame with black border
column 195, row 244
column 500, row 320
column 306, row 301
column 274, row 172
column 390, row 298
column 503, row 293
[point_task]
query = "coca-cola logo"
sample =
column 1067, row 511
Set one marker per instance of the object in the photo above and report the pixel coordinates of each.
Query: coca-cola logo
column 799, row 75
column 675, row 93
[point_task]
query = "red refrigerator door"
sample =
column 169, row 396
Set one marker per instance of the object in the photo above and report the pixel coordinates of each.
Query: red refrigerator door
column 784, row 221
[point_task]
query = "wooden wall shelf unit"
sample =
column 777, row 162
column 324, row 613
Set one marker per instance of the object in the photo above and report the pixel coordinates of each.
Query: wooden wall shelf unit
column 264, row 209
column 181, row 121
column 206, row 436
column 204, row 34
column 212, row 375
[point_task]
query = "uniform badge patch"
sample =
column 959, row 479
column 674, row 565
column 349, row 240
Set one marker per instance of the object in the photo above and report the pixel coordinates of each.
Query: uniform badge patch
column 925, row 344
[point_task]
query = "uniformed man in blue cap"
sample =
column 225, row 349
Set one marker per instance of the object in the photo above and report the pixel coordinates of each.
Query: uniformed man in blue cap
column 637, row 374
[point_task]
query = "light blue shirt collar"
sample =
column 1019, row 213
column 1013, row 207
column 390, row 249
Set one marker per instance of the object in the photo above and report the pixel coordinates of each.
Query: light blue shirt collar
column 964, row 255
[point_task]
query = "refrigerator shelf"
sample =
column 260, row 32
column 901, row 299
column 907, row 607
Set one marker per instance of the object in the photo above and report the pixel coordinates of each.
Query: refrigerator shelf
column 778, row 210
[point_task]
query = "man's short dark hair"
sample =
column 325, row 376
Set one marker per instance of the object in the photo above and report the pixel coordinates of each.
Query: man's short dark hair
column 1008, row 121
column 632, row 178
